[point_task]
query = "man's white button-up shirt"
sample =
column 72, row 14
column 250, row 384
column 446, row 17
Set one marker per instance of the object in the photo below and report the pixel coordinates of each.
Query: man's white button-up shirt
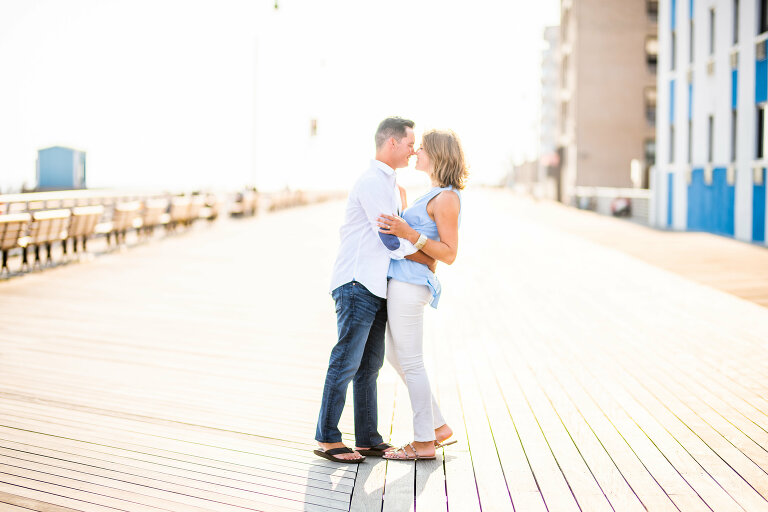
column 362, row 255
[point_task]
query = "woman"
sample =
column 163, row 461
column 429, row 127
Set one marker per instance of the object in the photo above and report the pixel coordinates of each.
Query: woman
column 432, row 225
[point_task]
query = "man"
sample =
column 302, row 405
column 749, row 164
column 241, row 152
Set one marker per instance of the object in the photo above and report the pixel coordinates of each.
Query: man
column 359, row 288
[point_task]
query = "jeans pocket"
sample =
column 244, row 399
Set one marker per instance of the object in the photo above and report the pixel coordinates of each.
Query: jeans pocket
column 338, row 297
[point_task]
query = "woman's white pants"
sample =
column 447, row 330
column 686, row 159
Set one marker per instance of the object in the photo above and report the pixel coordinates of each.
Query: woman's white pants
column 405, row 337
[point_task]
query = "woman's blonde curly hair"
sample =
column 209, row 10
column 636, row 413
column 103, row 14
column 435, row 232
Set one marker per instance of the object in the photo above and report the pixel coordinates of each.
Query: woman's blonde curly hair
column 447, row 156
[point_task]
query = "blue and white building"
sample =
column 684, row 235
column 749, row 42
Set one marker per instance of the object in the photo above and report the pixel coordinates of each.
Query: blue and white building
column 60, row 168
column 710, row 172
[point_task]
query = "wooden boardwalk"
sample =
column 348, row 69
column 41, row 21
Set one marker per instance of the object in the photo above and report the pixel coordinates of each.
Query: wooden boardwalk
column 186, row 375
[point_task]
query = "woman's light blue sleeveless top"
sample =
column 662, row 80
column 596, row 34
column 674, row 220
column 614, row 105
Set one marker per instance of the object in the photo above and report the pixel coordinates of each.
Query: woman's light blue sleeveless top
column 409, row 271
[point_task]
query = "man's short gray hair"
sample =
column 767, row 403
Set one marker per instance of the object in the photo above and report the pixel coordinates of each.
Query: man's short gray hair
column 392, row 127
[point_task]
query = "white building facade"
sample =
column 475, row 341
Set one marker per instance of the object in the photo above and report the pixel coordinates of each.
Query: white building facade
column 710, row 171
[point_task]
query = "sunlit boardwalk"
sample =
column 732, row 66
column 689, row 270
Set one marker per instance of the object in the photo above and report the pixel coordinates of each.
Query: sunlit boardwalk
column 186, row 374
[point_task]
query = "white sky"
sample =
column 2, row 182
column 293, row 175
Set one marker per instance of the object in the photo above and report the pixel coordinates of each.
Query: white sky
column 187, row 94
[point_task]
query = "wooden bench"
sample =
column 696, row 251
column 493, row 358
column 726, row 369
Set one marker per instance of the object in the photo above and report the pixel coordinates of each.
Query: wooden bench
column 13, row 230
column 47, row 227
column 245, row 203
column 210, row 209
column 154, row 215
column 82, row 225
column 180, row 206
column 126, row 216
column 196, row 205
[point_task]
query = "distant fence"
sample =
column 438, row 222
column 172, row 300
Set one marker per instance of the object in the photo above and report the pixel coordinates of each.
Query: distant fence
column 38, row 224
column 633, row 203
column 290, row 198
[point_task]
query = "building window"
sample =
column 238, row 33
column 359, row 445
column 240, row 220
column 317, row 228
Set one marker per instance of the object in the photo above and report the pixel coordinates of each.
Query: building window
column 690, row 141
column 760, row 132
column 564, row 72
column 710, row 138
column 564, row 25
column 652, row 53
column 671, row 143
column 650, row 105
column 734, row 124
column 691, row 45
column 735, row 21
column 711, row 31
column 649, row 152
column 763, row 17
column 673, row 51
column 652, row 7
column 564, row 116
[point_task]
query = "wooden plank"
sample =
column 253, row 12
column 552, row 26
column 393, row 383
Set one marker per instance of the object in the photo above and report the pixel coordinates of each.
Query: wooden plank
column 178, row 458
column 132, row 497
column 739, row 476
column 13, row 503
column 184, row 440
column 312, row 479
column 371, row 475
column 683, row 432
column 154, row 479
column 616, row 491
column 460, row 483
column 662, row 439
column 491, row 482
column 400, row 479
column 212, row 457
column 430, row 475
column 25, row 492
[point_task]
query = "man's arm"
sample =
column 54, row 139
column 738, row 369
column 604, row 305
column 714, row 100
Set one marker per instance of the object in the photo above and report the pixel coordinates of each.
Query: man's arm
column 421, row 257
column 374, row 202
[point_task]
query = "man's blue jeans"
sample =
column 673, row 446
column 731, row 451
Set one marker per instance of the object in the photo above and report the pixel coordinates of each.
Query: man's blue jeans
column 358, row 356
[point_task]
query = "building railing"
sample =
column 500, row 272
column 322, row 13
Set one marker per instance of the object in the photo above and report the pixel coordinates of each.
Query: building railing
column 633, row 203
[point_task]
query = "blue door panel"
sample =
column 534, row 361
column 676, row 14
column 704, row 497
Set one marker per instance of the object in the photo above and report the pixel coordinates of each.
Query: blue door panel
column 758, row 211
column 761, row 81
column 696, row 198
column 670, row 193
column 711, row 207
column 671, row 101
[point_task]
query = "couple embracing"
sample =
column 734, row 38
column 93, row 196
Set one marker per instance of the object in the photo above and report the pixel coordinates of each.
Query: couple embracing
column 382, row 280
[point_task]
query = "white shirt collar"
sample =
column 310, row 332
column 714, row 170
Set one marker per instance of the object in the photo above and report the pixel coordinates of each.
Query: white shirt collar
column 382, row 166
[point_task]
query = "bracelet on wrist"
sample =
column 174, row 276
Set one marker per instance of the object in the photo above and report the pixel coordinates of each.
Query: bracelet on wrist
column 421, row 242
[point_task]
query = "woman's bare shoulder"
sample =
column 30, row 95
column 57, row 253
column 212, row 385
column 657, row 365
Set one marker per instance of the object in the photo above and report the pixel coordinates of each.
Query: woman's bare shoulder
column 448, row 199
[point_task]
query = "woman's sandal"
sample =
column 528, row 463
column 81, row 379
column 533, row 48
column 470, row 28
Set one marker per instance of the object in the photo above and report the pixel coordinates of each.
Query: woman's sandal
column 392, row 455
column 376, row 451
column 331, row 455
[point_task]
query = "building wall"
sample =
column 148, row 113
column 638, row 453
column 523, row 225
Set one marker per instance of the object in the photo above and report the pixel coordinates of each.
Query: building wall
column 713, row 188
column 605, row 77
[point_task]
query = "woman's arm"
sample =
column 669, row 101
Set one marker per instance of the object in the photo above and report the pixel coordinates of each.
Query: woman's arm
column 420, row 257
column 446, row 214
